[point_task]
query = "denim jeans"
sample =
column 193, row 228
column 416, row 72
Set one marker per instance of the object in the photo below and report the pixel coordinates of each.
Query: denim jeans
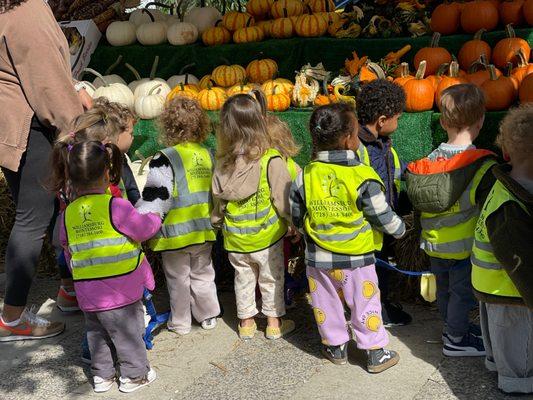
column 455, row 298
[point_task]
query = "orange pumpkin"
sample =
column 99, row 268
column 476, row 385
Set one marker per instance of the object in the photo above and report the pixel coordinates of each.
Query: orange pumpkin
column 446, row 18
column 452, row 79
column 528, row 12
column 282, row 28
column 479, row 14
column 216, row 35
column 260, row 71
column 499, row 91
column 508, row 74
column 239, row 89
column 434, row 56
column 419, row 92
column 311, row 25
column 278, row 100
column 228, row 75
column 506, row 50
column 472, row 50
column 183, row 90
column 526, row 90
column 259, row 8
column 234, row 20
column 319, row 6
column 292, row 7
column 322, row 100
column 435, row 79
column 283, row 85
column 330, row 17
column 265, row 26
column 206, row 81
column 212, row 98
column 523, row 69
column 511, row 12
column 403, row 74
column 370, row 72
column 478, row 72
column 249, row 33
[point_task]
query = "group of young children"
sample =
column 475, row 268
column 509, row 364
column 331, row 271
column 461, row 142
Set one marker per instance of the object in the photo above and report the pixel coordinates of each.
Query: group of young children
column 476, row 218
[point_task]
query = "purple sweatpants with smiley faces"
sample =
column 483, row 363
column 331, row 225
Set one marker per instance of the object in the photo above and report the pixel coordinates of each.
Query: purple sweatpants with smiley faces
column 358, row 289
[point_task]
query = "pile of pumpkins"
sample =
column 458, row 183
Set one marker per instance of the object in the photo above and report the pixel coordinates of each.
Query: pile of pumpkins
column 507, row 76
column 151, row 26
column 278, row 19
column 452, row 17
column 227, row 80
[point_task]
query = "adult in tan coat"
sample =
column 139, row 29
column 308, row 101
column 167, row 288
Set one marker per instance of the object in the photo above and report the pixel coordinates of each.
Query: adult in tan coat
column 37, row 102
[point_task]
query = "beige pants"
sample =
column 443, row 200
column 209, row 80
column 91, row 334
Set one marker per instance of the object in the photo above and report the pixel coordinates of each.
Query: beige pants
column 191, row 285
column 266, row 268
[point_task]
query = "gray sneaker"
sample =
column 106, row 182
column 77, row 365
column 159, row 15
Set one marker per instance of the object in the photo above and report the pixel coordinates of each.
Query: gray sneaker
column 336, row 354
column 381, row 359
column 128, row 385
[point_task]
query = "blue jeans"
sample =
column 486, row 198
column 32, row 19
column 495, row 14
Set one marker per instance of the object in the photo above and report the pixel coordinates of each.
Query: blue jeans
column 455, row 298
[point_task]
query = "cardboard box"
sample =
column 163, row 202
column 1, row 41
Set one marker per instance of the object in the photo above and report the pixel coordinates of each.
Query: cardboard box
column 83, row 37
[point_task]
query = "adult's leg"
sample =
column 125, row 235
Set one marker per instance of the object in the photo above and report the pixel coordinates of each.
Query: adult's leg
column 204, row 303
column 34, row 213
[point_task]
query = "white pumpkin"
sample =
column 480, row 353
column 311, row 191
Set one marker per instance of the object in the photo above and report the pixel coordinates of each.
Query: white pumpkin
column 144, row 88
column 138, row 80
column 183, row 77
column 121, row 33
column 138, row 17
column 171, row 20
column 182, row 33
column 203, row 17
column 109, row 78
column 115, row 92
column 152, row 33
column 151, row 105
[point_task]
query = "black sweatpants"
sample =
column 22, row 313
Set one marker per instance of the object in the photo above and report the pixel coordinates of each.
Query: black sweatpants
column 35, row 211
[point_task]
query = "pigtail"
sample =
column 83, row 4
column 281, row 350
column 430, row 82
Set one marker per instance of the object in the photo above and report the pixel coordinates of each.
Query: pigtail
column 116, row 160
column 261, row 99
column 58, row 178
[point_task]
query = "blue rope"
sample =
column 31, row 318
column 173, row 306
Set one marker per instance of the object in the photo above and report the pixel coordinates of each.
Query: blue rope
column 384, row 264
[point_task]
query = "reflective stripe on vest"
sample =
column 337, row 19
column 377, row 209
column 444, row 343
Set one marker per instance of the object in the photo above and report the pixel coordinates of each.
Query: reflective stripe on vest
column 364, row 158
column 97, row 249
column 450, row 235
column 488, row 275
column 252, row 224
column 333, row 220
column 188, row 222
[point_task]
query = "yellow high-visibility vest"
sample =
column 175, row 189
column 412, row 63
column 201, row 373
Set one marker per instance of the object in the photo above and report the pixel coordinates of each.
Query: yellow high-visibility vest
column 364, row 158
column 97, row 249
column 188, row 222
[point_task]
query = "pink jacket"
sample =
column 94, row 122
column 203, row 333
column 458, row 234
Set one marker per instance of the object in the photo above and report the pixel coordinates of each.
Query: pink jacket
column 110, row 293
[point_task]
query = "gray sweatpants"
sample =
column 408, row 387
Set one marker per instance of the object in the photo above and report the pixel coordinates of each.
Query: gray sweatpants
column 116, row 335
column 508, row 337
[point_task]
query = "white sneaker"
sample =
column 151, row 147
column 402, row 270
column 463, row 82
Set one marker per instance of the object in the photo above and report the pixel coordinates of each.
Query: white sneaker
column 209, row 323
column 128, row 385
column 102, row 385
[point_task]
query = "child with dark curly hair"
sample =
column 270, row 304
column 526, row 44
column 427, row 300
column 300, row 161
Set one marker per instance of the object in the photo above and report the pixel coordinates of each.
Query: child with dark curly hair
column 379, row 106
column 178, row 187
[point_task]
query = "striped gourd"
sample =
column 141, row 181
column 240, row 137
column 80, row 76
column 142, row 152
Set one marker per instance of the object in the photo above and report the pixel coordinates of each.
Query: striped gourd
column 205, row 82
column 260, row 71
column 239, row 89
column 249, row 33
column 234, row 20
column 321, row 5
column 282, row 28
column 292, row 7
column 278, row 100
column 228, row 75
column 259, row 8
column 216, row 35
column 212, row 98
column 265, row 26
column 183, row 90
column 311, row 25
column 283, row 85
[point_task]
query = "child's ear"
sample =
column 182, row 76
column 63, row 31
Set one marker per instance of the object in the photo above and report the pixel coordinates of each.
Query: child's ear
column 442, row 124
column 381, row 120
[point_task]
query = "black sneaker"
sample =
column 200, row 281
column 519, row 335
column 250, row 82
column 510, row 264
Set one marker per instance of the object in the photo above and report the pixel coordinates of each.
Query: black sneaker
column 336, row 354
column 394, row 315
column 475, row 330
column 468, row 346
column 381, row 359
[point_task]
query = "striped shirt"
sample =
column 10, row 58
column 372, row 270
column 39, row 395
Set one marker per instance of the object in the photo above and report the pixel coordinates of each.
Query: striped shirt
column 370, row 199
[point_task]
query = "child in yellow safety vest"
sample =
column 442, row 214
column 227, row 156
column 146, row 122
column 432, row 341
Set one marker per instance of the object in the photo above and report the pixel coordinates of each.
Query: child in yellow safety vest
column 502, row 258
column 250, row 187
column 448, row 187
column 178, row 187
column 340, row 206
column 101, row 236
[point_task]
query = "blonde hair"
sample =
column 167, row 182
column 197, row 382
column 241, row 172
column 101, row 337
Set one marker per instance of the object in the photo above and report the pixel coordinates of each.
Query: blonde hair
column 242, row 132
column 516, row 130
column 461, row 106
column 183, row 120
column 281, row 137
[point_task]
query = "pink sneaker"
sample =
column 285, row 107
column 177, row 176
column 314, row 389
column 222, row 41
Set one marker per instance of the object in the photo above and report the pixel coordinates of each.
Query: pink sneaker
column 66, row 300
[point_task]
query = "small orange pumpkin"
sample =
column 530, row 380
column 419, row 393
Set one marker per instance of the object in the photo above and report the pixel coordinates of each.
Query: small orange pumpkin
column 479, row 14
column 526, row 90
column 506, row 50
column 523, row 69
column 265, row 26
column 212, row 98
column 228, row 75
column 216, row 35
column 248, row 33
column 322, row 100
column 452, row 79
column 283, row 85
column 419, row 92
column 183, row 90
column 259, row 8
column 446, row 18
column 282, row 28
column 478, row 73
column 404, row 74
column 473, row 49
column 311, row 25
column 370, row 72
column 319, row 6
column 499, row 91
column 206, row 81
column 239, row 89
column 278, row 100
column 434, row 56
column 234, row 20
column 292, row 7
column 260, row 71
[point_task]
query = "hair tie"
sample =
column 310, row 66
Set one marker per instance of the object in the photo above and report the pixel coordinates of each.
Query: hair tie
column 71, row 134
column 102, row 147
column 318, row 128
column 69, row 147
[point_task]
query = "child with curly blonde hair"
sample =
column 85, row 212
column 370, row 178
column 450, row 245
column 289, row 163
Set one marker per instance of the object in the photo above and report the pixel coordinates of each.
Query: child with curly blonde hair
column 178, row 187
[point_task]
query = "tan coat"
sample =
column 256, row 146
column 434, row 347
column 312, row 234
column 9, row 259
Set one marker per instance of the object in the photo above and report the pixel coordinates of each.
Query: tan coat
column 35, row 77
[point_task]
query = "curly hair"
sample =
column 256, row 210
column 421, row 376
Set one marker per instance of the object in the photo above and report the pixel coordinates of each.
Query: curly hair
column 516, row 130
column 121, row 115
column 6, row 5
column 183, row 120
column 377, row 98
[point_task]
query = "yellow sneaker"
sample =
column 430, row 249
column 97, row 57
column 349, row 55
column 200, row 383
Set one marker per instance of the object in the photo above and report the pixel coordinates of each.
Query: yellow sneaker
column 287, row 326
column 247, row 332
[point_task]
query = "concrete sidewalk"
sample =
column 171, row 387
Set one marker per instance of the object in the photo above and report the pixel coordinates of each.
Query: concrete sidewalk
column 217, row 365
